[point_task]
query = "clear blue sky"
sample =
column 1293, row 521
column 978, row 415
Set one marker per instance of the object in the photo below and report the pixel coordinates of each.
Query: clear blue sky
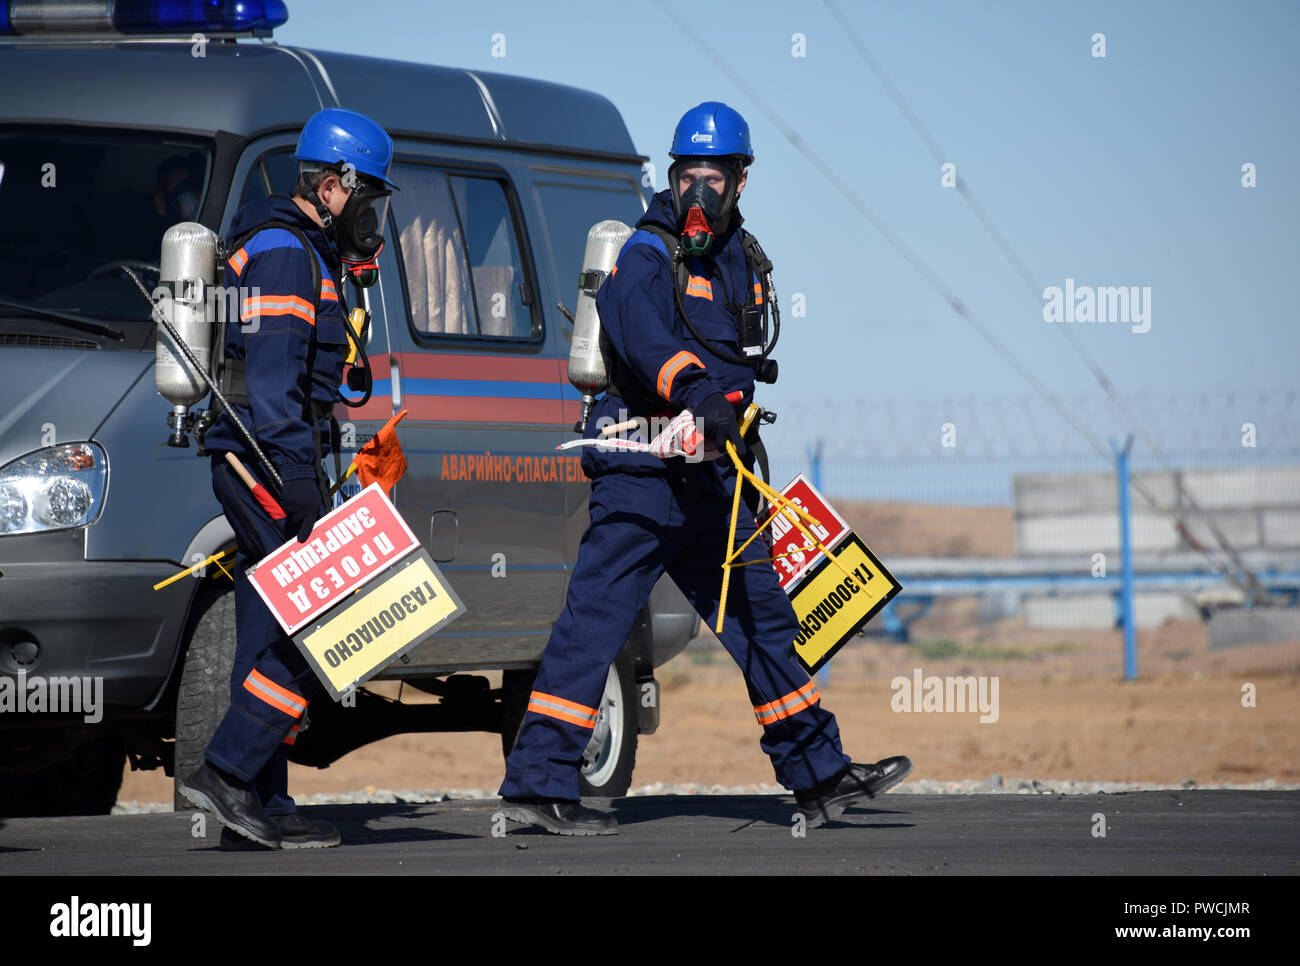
column 1117, row 171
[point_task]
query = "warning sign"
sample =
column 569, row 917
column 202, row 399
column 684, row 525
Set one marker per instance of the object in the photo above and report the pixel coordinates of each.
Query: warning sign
column 348, row 546
column 832, row 607
column 367, row 633
column 787, row 540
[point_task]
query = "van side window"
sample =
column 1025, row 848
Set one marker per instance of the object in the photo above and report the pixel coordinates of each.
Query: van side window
column 275, row 173
column 568, row 212
column 461, row 256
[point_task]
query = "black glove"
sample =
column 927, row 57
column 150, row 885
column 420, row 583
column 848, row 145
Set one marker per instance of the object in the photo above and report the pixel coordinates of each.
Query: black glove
column 718, row 419
column 300, row 500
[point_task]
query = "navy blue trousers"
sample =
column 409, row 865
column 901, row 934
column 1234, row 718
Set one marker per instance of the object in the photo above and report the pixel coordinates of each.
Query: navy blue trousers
column 640, row 527
column 270, row 682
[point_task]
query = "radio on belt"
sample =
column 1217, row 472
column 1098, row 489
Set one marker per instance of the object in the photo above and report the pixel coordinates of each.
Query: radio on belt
column 359, row 594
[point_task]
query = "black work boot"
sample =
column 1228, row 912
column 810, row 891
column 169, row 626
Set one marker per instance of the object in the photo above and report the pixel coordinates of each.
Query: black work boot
column 560, row 817
column 234, row 803
column 295, row 833
column 827, row 801
column 298, row 833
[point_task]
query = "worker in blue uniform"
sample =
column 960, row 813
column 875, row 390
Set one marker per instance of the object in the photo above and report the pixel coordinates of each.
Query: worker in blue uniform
column 679, row 310
column 283, row 365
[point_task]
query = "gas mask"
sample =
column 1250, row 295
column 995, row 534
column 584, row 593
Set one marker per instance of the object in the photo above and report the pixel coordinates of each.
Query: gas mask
column 704, row 208
column 356, row 231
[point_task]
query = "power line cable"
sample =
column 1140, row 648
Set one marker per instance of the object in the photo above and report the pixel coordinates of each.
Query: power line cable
column 922, row 269
column 894, row 241
column 1249, row 583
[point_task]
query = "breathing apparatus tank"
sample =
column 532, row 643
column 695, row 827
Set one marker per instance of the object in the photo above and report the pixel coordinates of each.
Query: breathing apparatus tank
column 587, row 369
column 188, row 269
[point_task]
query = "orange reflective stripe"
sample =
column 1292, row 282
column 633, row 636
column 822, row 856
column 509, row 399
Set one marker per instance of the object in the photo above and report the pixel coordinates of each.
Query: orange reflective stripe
column 810, row 686
column 758, row 294
column 278, row 305
column 700, row 287
column 238, row 260
column 328, row 293
column 280, row 698
column 562, row 702
column 614, row 270
column 788, row 705
column 668, row 372
column 562, row 709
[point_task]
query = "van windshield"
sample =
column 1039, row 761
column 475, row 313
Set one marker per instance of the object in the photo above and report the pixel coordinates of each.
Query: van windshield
column 77, row 205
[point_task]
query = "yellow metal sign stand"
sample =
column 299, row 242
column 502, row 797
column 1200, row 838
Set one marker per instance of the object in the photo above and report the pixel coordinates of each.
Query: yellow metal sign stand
column 796, row 514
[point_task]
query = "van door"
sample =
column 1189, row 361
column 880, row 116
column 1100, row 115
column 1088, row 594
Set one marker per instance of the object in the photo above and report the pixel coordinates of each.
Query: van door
column 470, row 363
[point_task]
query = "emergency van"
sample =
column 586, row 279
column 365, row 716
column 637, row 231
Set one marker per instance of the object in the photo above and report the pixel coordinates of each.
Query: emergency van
column 128, row 124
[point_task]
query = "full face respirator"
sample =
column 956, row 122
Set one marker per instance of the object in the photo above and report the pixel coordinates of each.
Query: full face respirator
column 357, row 230
column 704, row 193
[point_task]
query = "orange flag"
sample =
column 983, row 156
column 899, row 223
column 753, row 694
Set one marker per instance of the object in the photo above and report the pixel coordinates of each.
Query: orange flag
column 382, row 458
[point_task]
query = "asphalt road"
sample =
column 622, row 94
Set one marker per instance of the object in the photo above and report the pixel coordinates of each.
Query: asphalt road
column 1146, row 833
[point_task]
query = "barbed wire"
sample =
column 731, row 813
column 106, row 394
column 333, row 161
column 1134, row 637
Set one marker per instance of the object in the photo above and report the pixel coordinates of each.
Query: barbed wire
column 1228, row 426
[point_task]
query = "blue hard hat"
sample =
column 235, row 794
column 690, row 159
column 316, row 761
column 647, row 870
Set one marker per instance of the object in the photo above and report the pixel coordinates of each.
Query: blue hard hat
column 336, row 136
column 712, row 129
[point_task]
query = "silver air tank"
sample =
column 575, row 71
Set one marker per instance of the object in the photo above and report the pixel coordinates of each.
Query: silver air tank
column 188, row 269
column 587, row 369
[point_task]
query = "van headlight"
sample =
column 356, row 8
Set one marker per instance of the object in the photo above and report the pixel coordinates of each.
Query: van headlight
column 53, row 489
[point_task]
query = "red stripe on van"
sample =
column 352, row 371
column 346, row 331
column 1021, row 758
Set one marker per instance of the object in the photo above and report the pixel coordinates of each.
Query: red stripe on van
column 472, row 409
column 418, row 365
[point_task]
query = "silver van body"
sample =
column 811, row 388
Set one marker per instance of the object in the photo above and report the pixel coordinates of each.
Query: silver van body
column 500, row 178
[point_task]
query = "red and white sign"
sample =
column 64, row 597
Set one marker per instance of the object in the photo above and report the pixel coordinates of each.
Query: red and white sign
column 349, row 546
column 787, row 539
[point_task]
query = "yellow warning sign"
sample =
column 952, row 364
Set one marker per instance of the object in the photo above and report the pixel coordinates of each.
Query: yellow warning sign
column 832, row 607
column 367, row 632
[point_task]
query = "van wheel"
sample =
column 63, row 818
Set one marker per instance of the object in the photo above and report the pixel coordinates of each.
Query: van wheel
column 610, row 756
column 205, row 680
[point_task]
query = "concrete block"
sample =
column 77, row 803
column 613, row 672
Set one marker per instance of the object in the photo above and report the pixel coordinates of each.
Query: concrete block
column 1239, row 527
column 1253, row 486
column 1036, row 494
column 1258, row 625
column 1092, row 533
column 1281, row 528
column 1097, row 611
column 1070, row 613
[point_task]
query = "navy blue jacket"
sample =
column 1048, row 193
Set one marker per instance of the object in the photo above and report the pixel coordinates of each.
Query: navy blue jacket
column 274, row 336
column 665, row 366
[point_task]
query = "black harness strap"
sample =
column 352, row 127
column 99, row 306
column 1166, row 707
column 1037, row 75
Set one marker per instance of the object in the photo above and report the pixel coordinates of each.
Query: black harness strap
column 231, row 371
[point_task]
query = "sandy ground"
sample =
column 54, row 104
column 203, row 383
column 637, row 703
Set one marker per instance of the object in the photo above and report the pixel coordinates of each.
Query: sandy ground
column 1064, row 712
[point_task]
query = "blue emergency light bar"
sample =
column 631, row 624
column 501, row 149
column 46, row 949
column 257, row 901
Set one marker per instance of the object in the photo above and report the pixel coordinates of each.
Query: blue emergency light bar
column 140, row 18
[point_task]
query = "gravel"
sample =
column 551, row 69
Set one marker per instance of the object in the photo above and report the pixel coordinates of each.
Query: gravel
column 993, row 785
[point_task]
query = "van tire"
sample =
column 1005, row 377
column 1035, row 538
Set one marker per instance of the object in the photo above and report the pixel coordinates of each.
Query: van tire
column 607, row 767
column 607, row 770
column 204, row 693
